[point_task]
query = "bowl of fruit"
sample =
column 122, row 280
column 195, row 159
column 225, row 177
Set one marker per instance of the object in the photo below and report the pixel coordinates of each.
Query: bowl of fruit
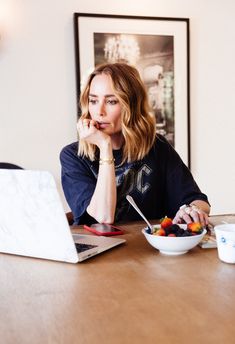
column 174, row 239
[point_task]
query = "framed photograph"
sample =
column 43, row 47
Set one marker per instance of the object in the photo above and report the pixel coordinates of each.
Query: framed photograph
column 158, row 48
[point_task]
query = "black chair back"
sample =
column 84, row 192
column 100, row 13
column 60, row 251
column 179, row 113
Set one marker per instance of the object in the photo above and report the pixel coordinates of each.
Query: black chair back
column 8, row 165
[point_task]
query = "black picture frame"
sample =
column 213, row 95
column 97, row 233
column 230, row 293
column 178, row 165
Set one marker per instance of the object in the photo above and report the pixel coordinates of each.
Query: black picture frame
column 161, row 54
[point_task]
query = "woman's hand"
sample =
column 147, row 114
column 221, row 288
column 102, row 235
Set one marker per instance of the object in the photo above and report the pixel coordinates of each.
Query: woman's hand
column 88, row 130
column 103, row 202
column 192, row 213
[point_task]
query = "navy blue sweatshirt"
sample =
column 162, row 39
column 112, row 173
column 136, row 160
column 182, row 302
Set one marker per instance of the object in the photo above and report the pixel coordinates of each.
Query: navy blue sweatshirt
column 160, row 183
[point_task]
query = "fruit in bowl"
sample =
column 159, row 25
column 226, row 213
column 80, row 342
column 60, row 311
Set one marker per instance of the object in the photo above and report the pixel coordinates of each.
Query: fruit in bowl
column 174, row 239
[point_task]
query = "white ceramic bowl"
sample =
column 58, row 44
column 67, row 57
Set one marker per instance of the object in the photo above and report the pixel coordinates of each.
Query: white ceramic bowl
column 173, row 245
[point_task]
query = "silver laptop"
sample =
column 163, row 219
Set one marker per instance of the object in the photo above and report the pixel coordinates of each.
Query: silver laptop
column 33, row 222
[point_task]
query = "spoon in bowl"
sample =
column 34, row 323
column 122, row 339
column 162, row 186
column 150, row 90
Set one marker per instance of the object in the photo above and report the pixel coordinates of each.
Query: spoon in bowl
column 132, row 202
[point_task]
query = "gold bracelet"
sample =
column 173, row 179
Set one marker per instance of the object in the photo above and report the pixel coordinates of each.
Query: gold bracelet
column 107, row 161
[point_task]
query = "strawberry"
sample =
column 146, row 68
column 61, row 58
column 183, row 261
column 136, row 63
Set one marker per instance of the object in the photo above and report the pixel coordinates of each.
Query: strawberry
column 171, row 235
column 194, row 227
column 166, row 222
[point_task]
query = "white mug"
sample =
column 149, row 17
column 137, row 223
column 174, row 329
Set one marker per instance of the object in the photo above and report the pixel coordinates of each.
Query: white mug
column 225, row 238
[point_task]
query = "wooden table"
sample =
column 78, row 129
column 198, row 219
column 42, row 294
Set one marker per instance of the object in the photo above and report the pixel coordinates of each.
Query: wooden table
column 130, row 294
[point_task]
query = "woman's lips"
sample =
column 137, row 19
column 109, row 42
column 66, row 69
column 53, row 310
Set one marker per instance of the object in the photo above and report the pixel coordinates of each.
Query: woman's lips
column 103, row 125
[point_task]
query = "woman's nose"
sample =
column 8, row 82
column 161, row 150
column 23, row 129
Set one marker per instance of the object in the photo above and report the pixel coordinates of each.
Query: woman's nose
column 101, row 109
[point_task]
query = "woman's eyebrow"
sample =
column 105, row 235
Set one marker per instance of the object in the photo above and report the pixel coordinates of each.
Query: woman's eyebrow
column 106, row 96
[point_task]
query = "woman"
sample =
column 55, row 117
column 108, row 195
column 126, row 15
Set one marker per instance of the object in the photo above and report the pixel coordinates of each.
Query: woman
column 119, row 153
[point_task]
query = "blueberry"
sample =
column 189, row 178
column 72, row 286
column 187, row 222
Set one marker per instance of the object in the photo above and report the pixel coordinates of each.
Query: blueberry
column 187, row 233
column 168, row 230
column 180, row 231
column 173, row 228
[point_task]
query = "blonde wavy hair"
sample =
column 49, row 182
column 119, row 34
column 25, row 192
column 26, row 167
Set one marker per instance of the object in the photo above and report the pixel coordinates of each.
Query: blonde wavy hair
column 138, row 124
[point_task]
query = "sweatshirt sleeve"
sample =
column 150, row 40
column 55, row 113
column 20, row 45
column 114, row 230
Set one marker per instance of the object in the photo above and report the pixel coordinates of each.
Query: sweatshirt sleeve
column 78, row 182
column 181, row 186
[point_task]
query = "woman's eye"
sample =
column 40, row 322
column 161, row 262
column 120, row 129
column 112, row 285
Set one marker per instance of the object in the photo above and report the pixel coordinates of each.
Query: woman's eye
column 112, row 101
column 93, row 101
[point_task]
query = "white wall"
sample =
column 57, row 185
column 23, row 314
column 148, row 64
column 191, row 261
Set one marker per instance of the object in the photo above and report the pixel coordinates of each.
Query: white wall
column 37, row 83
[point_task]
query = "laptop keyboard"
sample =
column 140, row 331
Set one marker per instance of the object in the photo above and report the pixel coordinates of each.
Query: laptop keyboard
column 83, row 247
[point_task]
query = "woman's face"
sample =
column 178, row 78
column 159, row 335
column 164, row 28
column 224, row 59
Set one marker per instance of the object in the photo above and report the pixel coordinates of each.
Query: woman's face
column 104, row 107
